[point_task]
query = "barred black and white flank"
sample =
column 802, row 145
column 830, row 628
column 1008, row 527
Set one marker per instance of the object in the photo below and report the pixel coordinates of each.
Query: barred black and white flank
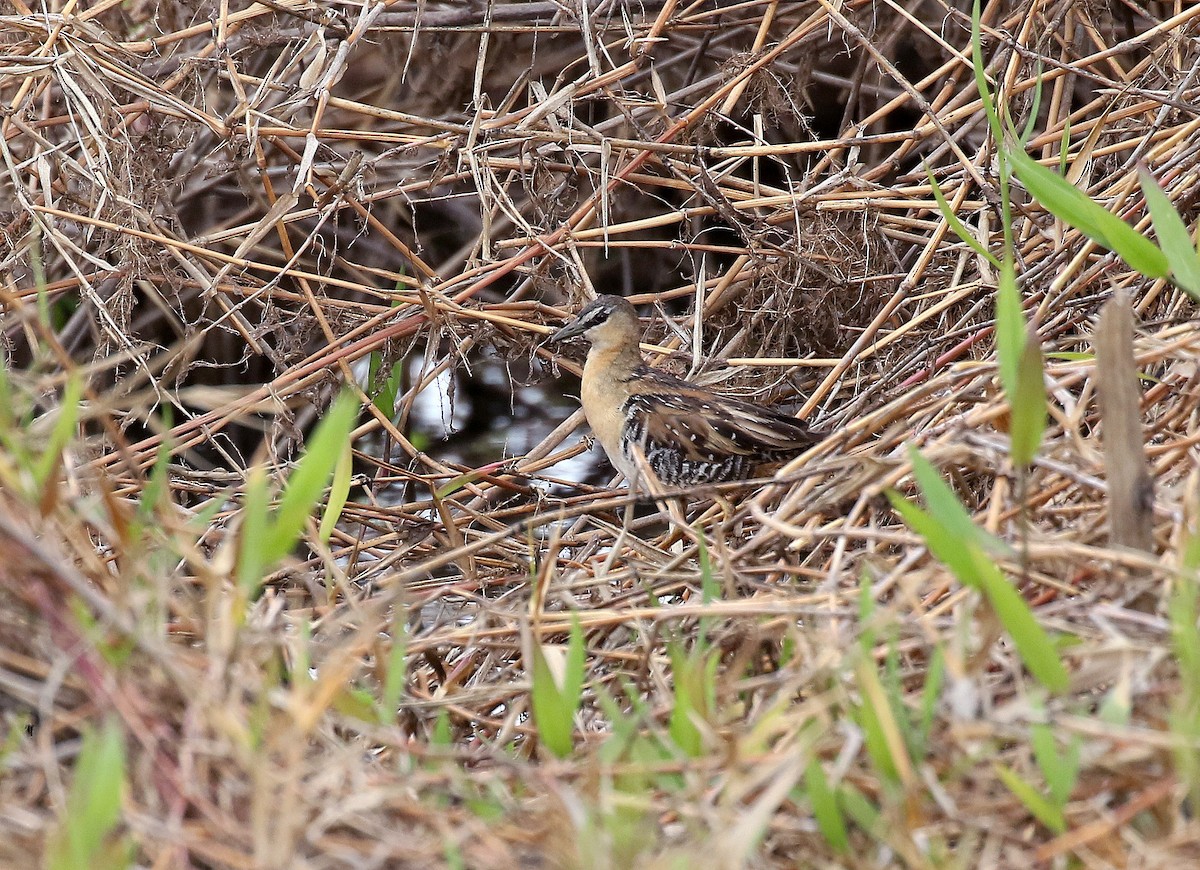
column 687, row 435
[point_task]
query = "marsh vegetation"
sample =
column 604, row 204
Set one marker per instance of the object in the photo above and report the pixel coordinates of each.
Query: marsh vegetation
column 245, row 623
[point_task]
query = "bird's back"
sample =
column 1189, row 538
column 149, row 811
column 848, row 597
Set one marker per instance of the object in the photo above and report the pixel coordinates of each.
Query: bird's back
column 690, row 435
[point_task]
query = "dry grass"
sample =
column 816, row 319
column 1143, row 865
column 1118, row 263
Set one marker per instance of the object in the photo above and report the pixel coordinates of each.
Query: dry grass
column 231, row 216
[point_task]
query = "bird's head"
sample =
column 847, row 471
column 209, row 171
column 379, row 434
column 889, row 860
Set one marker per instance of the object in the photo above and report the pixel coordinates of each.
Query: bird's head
column 608, row 320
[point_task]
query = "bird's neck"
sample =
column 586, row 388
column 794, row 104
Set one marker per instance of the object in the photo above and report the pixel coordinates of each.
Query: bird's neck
column 617, row 360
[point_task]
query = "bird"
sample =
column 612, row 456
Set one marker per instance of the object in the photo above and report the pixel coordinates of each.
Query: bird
column 645, row 417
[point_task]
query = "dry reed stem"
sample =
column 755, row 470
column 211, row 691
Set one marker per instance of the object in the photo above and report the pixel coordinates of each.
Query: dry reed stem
column 236, row 205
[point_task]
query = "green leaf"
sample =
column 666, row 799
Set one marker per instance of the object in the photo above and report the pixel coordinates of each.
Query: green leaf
column 158, row 486
column 63, row 431
column 1072, row 205
column 357, row 703
column 306, row 484
column 1010, row 326
column 1040, row 808
column 825, row 808
column 256, row 503
column 1116, row 708
column 946, row 547
column 710, row 590
column 385, row 398
column 859, row 808
column 396, row 675
column 695, row 687
column 1061, row 770
column 893, row 685
column 1173, row 235
column 556, row 701
column 457, row 482
column 1028, row 404
column 572, row 687
column 1033, row 644
column 871, row 719
column 339, row 492
column 934, row 679
column 442, row 736
column 94, row 805
column 956, row 542
column 8, row 416
column 960, row 229
column 550, row 711
column 1035, row 109
column 981, row 82
column 944, row 505
column 1184, row 610
column 1064, row 146
column 547, row 706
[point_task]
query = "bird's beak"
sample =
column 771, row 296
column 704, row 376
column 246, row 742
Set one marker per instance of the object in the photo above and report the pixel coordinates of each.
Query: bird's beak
column 571, row 330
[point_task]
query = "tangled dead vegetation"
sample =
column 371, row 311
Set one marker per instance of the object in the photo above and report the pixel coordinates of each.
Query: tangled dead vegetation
column 216, row 213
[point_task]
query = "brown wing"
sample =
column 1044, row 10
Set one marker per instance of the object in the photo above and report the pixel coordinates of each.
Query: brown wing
column 689, row 434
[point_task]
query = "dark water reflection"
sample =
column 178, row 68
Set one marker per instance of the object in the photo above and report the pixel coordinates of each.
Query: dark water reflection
column 497, row 410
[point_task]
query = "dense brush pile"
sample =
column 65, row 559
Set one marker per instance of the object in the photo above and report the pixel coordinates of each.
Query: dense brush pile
column 214, row 214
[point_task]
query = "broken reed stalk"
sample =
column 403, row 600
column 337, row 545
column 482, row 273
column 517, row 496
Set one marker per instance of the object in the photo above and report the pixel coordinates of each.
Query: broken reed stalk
column 222, row 237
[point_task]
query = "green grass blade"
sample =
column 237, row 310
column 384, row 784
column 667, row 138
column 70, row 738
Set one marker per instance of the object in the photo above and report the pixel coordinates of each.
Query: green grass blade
column 396, row 676
column 467, row 478
column 945, row 507
column 1184, row 612
column 1040, row 808
column 572, row 687
column 385, row 397
column 557, row 693
column 1172, row 235
column 443, row 734
column 62, row 432
column 881, row 732
column 339, row 492
column 935, row 678
column 956, row 542
column 93, row 808
column 1033, row 644
column 1028, row 404
column 8, row 416
column 1010, row 326
column 1064, row 146
column 256, row 506
column 1060, row 770
column 553, row 713
column 307, row 482
column 710, row 590
column 960, row 229
column 859, row 808
column 1036, row 108
column 946, row 547
column 1072, row 205
column 825, row 808
column 688, row 709
column 981, row 82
